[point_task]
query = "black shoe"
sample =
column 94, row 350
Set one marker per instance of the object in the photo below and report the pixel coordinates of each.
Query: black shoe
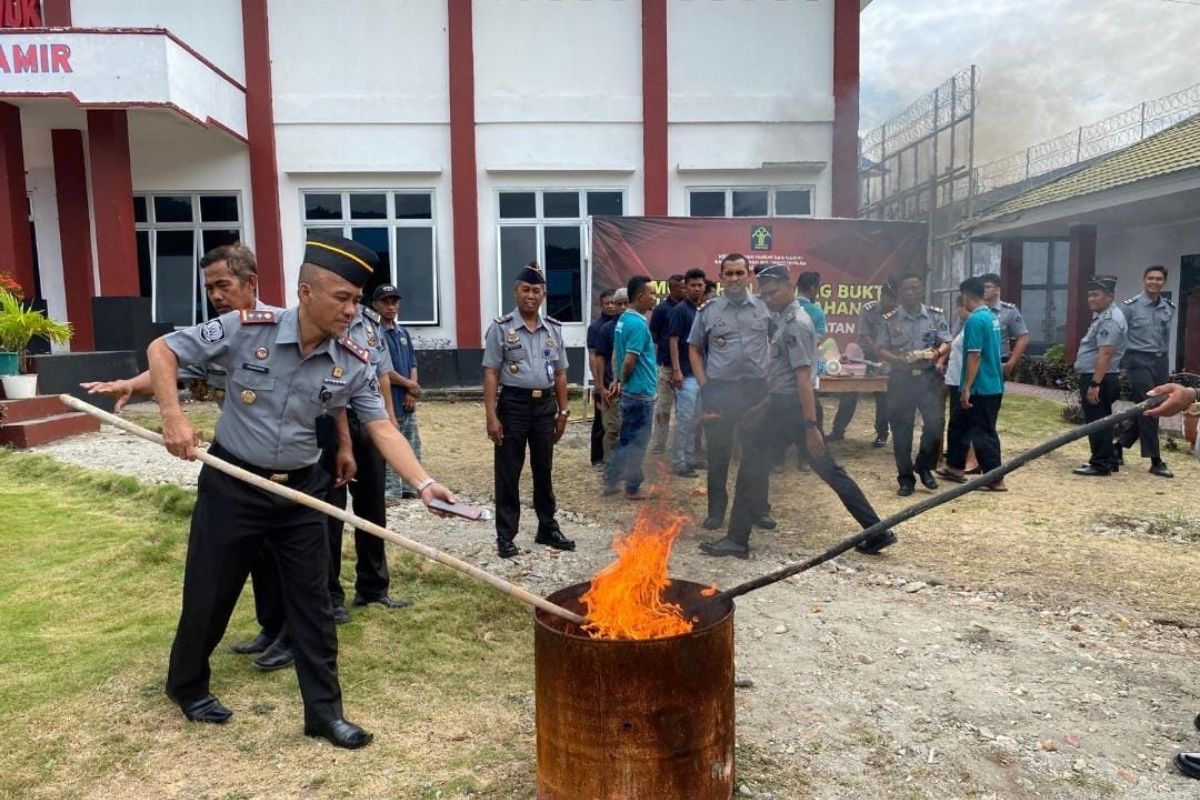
column 340, row 615
column 876, row 543
column 766, row 523
column 906, row 487
column 880, row 440
column 835, row 436
column 554, row 539
column 384, row 601
column 1160, row 469
column 507, row 549
column 725, row 547
column 713, row 523
column 684, row 473
column 206, row 709
column 1090, row 471
column 258, row 644
column 927, row 479
column 339, row 733
column 1188, row 764
column 278, row 656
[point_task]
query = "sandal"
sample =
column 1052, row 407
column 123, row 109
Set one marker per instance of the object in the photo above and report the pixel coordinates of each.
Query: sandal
column 950, row 476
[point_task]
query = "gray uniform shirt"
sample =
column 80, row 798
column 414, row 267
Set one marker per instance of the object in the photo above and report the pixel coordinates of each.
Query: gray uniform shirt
column 526, row 359
column 1107, row 329
column 733, row 336
column 1012, row 325
column 215, row 376
column 274, row 394
column 793, row 345
column 365, row 329
column 1149, row 324
column 901, row 332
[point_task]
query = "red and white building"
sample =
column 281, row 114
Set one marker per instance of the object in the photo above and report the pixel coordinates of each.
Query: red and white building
column 460, row 138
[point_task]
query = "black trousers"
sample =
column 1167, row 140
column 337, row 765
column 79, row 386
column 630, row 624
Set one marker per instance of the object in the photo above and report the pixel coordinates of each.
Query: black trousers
column 980, row 421
column 597, row 435
column 848, row 404
column 1104, row 454
column 367, row 491
column 269, row 608
column 1145, row 371
column 957, row 441
column 724, row 403
column 230, row 522
column 783, row 418
column 528, row 422
column 908, row 395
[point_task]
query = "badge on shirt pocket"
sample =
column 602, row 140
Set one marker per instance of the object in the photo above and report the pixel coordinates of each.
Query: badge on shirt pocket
column 550, row 371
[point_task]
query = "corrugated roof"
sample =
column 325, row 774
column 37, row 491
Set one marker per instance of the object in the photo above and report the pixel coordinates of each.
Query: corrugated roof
column 1173, row 150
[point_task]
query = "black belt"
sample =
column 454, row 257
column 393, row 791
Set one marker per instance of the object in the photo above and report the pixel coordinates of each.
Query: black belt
column 1150, row 353
column 276, row 475
column 529, row 394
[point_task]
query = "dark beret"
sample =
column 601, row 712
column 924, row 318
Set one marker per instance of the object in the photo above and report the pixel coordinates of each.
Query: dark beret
column 531, row 274
column 1105, row 283
column 773, row 272
column 353, row 261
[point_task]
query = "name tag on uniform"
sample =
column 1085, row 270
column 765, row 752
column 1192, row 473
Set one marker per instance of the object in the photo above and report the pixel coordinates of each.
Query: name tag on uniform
column 263, row 368
column 549, row 372
column 333, row 382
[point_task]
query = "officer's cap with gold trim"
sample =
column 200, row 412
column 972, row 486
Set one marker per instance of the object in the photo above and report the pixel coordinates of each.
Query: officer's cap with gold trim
column 772, row 272
column 349, row 259
column 531, row 273
column 1105, row 283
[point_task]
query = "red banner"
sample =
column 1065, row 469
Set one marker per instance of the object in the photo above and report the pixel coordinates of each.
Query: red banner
column 854, row 257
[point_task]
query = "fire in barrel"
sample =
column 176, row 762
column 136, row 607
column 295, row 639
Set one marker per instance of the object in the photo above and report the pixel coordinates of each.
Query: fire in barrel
column 637, row 702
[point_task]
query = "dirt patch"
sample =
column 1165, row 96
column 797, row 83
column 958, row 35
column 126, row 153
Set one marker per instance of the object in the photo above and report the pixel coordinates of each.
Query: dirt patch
column 1172, row 528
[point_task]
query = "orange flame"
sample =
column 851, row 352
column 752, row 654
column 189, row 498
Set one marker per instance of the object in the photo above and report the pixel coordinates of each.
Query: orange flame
column 625, row 599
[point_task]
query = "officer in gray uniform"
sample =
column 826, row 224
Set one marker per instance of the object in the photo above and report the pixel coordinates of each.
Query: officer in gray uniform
column 728, row 351
column 287, row 372
column 791, row 412
column 1098, row 364
column 1014, row 334
column 1148, row 316
column 870, row 319
column 525, row 397
column 912, row 338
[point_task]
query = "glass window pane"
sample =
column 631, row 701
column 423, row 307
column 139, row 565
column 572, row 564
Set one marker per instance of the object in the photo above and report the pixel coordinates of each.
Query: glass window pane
column 172, row 208
column 605, row 204
column 415, row 275
column 750, row 204
column 145, row 264
column 139, row 209
column 1034, row 264
column 1033, row 309
column 368, row 206
column 219, row 208
column 518, row 205
column 793, row 202
column 564, row 273
column 707, row 204
column 338, row 231
column 518, row 246
column 1061, row 265
column 377, row 240
column 560, row 205
column 322, row 206
column 1058, row 316
column 174, row 277
column 413, row 205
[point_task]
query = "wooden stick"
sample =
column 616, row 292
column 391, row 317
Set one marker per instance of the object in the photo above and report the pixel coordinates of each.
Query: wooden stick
column 433, row 554
column 939, row 499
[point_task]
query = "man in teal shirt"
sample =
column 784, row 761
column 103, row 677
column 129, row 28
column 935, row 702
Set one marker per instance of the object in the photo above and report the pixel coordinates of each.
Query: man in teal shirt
column 807, row 286
column 635, row 377
column 982, row 386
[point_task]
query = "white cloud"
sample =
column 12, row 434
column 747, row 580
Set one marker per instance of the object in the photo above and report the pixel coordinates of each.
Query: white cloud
column 1046, row 66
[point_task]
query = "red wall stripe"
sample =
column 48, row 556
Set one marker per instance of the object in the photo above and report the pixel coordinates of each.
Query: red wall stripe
column 264, row 169
column 844, row 163
column 56, row 13
column 654, row 106
column 464, row 186
column 74, row 233
column 16, row 248
column 112, row 203
column 1081, row 268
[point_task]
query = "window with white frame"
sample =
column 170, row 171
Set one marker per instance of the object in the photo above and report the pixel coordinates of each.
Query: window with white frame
column 399, row 226
column 174, row 229
column 548, row 226
column 751, row 201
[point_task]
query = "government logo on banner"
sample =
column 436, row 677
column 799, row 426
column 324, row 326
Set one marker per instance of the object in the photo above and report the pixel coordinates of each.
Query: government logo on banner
column 760, row 237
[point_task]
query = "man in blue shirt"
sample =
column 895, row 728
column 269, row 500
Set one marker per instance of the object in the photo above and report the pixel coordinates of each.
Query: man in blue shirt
column 687, row 388
column 608, row 312
column 982, row 384
column 660, row 331
column 406, row 391
column 636, row 382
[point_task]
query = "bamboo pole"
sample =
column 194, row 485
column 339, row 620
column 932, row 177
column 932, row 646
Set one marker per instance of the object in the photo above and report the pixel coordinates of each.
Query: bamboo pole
column 433, row 554
column 939, row 499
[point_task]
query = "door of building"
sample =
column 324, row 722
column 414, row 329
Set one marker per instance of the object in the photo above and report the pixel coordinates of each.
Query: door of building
column 1187, row 338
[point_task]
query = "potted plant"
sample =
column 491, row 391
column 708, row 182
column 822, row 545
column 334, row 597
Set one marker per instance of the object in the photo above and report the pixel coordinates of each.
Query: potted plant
column 18, row 325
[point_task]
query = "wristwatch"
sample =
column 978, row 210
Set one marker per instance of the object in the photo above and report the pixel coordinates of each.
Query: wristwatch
column 564, row 412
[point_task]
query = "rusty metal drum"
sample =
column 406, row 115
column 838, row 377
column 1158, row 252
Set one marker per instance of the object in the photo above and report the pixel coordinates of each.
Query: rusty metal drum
column 636, row 720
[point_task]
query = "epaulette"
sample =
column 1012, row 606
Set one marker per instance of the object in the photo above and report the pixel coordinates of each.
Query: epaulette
column 705, row 304
column 372, row 315
column 252, row 317
column 1170, row 302
column 552, row 319
column 355, row 349
column 890, row 314
column 936, row 310
column 1007, row 304
column 1129, row 302
column 502, row 320
column 870, row 304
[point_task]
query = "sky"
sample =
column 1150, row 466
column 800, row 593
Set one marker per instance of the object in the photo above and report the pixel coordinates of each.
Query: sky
column 1045, row 66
